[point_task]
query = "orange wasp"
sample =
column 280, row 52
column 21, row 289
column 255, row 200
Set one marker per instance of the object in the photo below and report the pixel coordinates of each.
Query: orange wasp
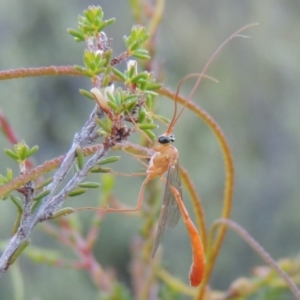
column 165, row 159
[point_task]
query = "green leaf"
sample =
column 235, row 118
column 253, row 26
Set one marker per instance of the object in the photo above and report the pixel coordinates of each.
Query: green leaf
column 163, row 118
column 9, row 174
column 151, row 135
column 106, row 80
column 108, row 182
column 98, row 169
column 132, row 72
column 32, row 151
column 92, row 13
column 142, row 51
column 92, row 66
column 91, row 23
column 41, row 195
column 62, row 212
column 17, row 202
column 153, row 86
column 109, row 22
column 89, row 185
column 149, row 101
column 105, row 124
column 128, row 103
column 141, row 76
column 137, row 54
column 79, row 36
column 109, row 160
column 18, row 252
column 137, row 36
column 142, row 114
column 40, row 255
column 77, row 192
column 44, row 183
column 21, row 150
column 111, row 97
column 147, row 126
column 119, row 74
column 87, row 94
column 16, row 223
column 79, row 157
column 112, row 105
column 88, row 73
column 35, row 205
column 79, row 68
column 88, row 58
column 12, row 154
column 118, row 99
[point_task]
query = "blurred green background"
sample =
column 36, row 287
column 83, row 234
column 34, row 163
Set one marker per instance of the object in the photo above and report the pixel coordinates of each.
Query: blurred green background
column 256, row 102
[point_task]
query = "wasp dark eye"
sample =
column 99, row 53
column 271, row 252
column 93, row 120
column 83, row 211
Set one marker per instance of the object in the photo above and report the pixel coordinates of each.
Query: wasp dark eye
column 164, row 139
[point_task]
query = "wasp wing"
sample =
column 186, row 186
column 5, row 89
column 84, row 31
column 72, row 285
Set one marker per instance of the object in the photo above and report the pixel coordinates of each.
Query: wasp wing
column 170, row 213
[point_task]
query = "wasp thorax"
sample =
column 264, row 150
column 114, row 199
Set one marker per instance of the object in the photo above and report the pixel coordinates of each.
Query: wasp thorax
column 166, row 139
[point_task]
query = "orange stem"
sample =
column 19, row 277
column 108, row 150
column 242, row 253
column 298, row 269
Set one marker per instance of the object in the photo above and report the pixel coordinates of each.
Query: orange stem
column 42, row 71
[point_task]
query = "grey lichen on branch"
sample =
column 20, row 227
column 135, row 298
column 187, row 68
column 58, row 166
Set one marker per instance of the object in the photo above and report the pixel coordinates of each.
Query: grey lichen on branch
column 100, row 67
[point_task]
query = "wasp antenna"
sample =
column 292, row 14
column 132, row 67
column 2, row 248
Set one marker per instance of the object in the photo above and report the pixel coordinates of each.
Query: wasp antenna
column 182, row 81
column 173, row 120
column 212, row 58
column 200, row 76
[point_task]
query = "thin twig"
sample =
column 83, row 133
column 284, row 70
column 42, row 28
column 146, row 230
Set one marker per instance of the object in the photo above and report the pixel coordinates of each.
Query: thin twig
column 50, row 204
column 259, row 250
